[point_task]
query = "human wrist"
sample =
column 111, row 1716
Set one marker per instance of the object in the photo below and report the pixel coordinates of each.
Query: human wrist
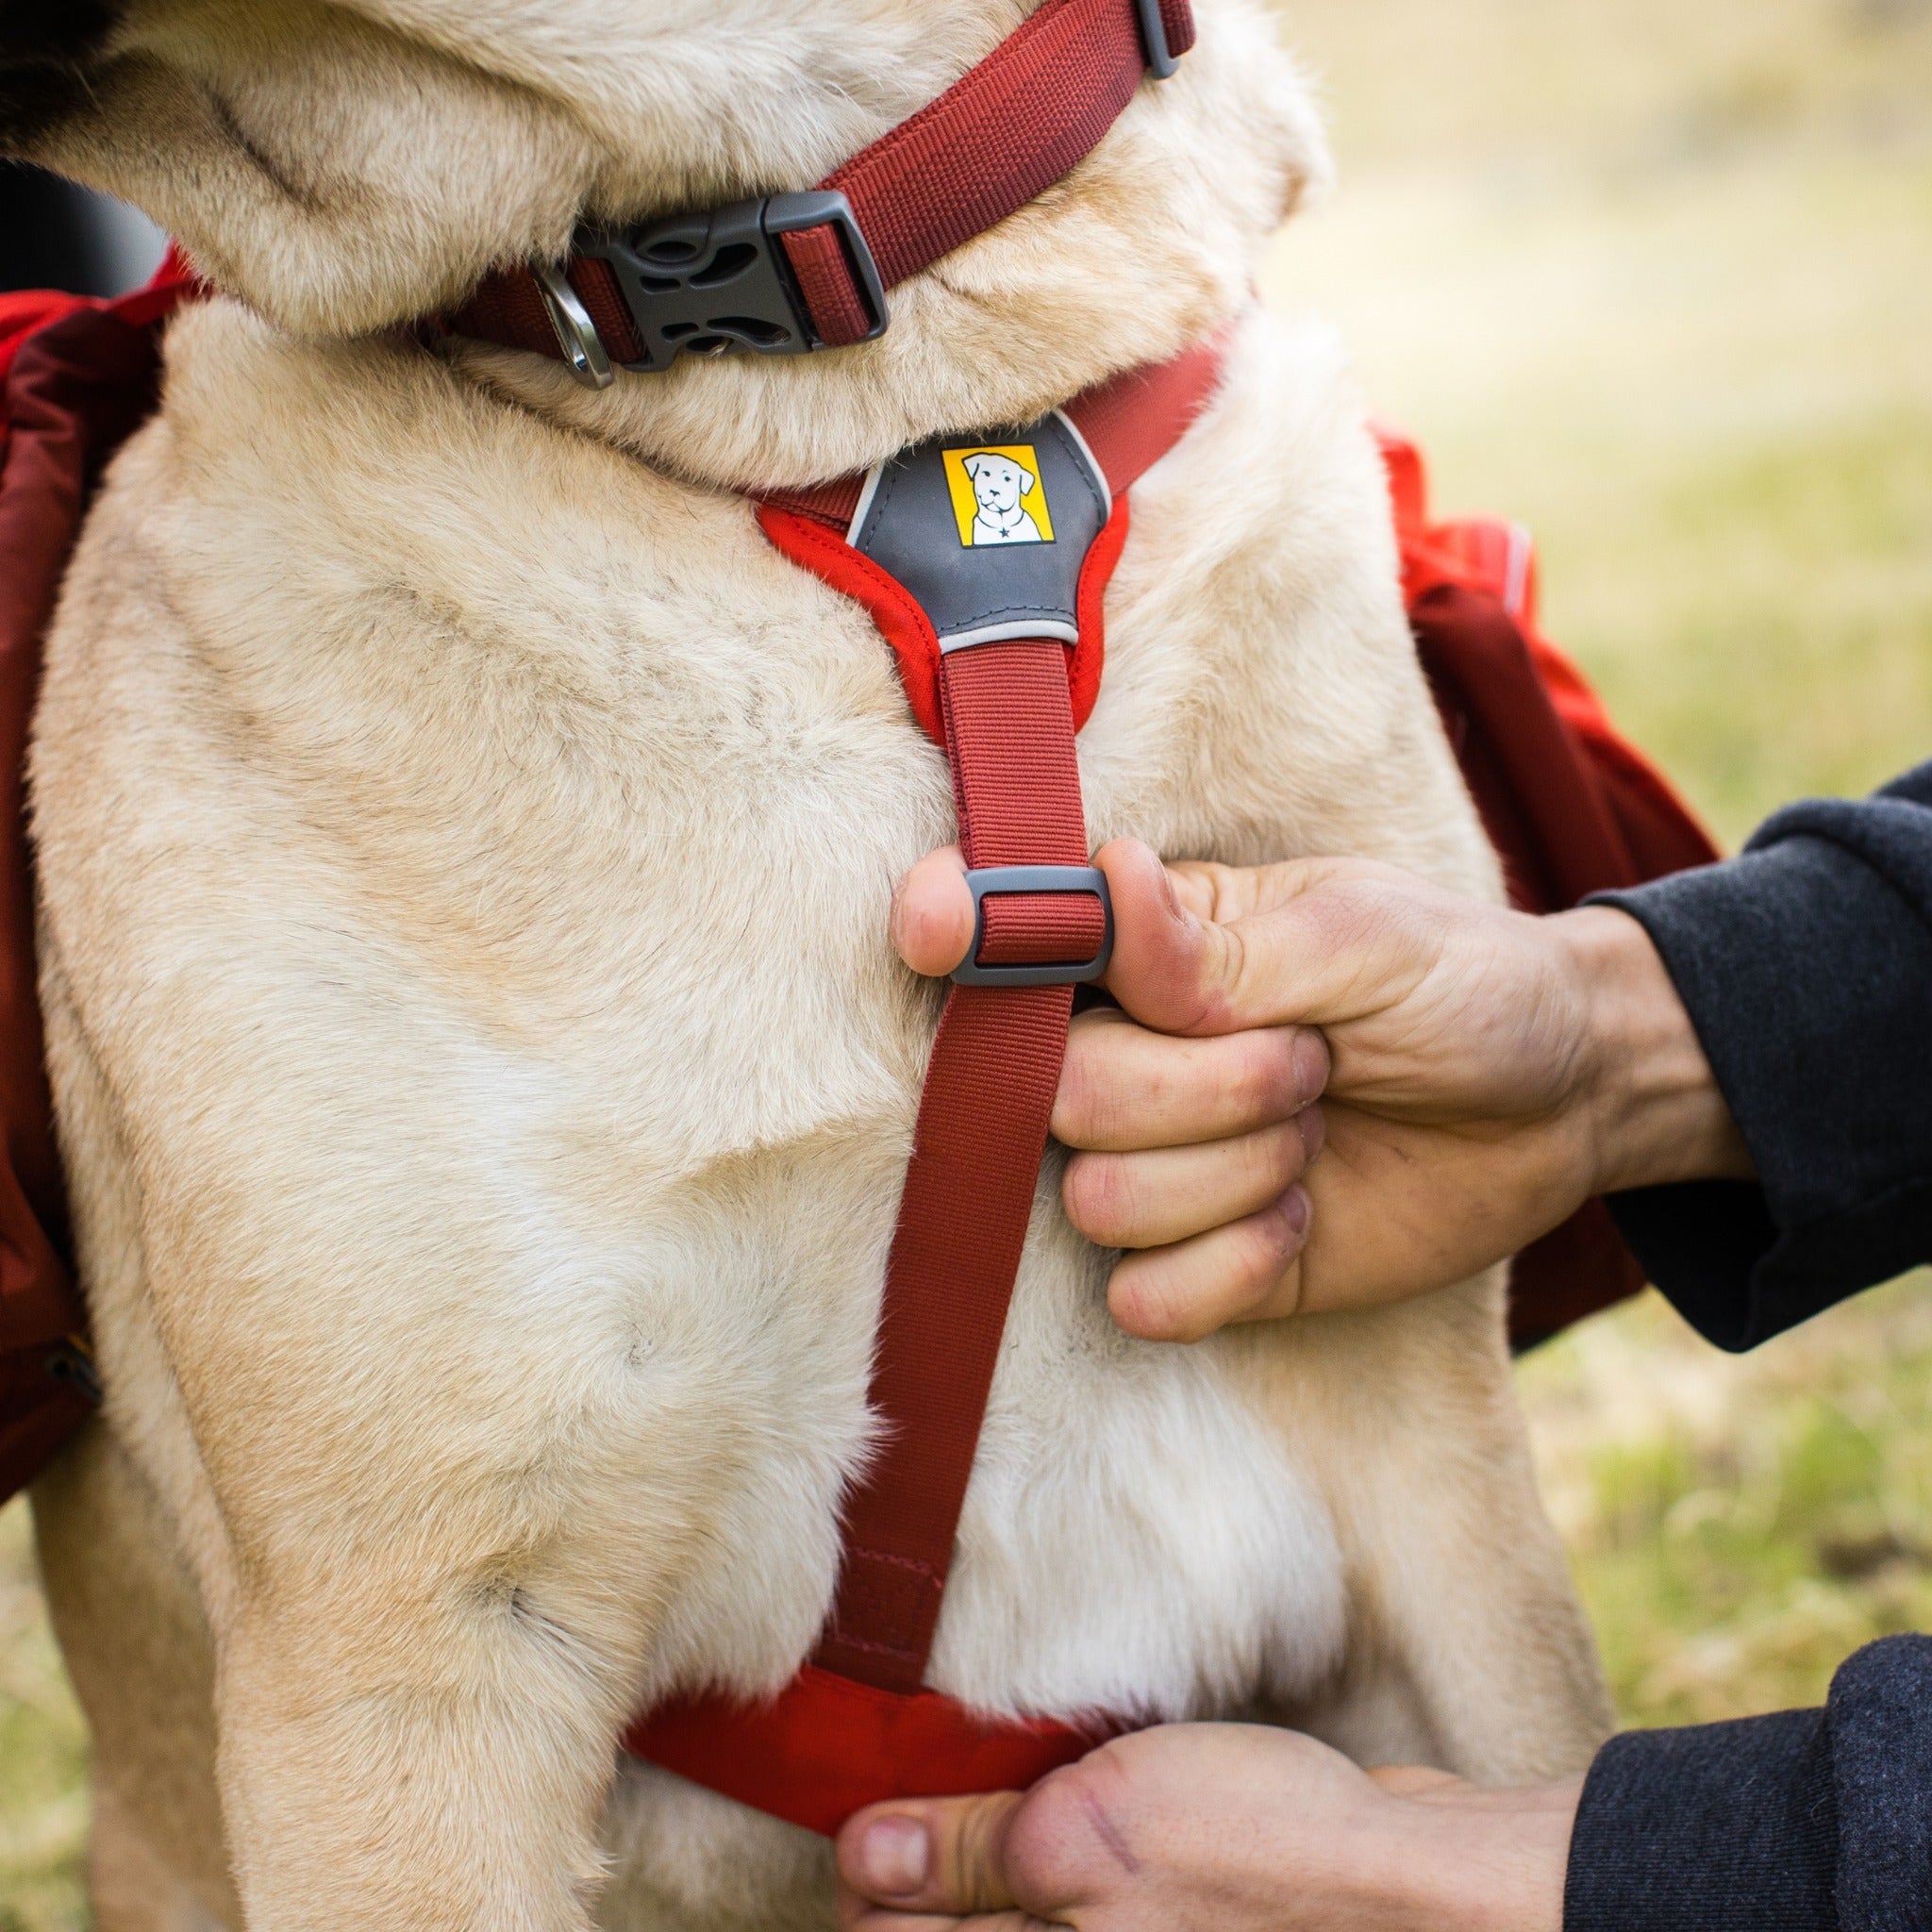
column 1650, row 1108
column 1484, row 1860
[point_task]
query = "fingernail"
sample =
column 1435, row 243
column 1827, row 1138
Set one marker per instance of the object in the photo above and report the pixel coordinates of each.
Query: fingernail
column 1313, row 1127
column 1310, row 1063
column 1294, row 1204
column 893, row 1857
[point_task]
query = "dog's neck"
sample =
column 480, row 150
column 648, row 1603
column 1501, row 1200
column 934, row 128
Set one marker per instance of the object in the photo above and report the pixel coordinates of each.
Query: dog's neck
column 344, row 168
column 1148, row 245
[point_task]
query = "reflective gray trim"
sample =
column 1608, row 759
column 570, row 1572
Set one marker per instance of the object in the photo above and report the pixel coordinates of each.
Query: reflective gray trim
column 865, row 497
column 1001, row 633
column 1087, row 456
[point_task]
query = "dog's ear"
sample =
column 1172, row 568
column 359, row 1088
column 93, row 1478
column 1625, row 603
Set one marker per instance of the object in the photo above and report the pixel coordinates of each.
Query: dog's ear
column 1028, row 481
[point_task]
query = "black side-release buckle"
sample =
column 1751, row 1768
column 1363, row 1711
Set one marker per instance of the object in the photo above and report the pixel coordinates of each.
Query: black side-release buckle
column 997, row 881
column 717, row 283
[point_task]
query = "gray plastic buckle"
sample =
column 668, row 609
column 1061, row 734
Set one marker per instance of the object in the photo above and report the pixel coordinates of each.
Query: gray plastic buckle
column 718, row 282
column 1160, row 62
column 1003, row 881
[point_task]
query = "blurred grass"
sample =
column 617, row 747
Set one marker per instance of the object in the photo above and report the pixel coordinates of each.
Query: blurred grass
column 1739, row 1525
column 1656, row 280
column 42, row 1755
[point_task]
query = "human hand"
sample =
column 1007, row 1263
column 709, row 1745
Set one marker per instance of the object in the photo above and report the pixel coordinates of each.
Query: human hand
column 1233, row 1827
column 1485, row 1073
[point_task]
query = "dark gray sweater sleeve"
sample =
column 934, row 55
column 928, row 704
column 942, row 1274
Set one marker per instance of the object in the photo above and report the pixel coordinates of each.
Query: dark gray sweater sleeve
column 1805, row 964
column 1808, row 1821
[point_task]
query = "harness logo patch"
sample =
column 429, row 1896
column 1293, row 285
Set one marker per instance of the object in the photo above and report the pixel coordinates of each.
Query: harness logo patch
column 997, row 494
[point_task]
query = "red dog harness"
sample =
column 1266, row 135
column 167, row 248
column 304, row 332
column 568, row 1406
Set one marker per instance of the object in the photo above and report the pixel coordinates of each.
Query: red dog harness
column 983, row 562
column 999, row 642
column 982, row 558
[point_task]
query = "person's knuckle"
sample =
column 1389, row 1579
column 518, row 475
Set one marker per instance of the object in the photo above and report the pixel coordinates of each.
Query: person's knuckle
column 1103, row 1197
column 1267, row 1159
column 1089, row 1108
column 1262, row 1247
column 1149, row 1297
column 979, row 1877
column 1051, row 1843
column 1260, row 1081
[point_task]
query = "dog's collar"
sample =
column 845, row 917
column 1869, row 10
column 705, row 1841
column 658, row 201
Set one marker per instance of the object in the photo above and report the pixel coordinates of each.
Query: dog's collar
column 793, row 272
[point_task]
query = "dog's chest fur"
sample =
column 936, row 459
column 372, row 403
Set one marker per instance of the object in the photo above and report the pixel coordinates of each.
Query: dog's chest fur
column 484, row 848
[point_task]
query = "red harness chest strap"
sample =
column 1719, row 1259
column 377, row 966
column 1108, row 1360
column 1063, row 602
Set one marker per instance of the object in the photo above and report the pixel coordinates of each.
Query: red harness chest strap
column 857, row 1726
column 1036, row 107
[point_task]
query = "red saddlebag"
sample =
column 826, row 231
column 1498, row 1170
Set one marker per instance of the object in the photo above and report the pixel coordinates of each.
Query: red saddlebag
column 76, row 379
column 1570, row 807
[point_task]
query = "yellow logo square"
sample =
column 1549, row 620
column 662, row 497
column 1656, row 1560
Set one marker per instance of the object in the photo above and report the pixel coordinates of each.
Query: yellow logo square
column 997, row 497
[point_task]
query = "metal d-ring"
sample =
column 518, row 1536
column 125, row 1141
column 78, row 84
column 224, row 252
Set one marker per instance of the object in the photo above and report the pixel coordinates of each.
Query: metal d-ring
column 584, row 353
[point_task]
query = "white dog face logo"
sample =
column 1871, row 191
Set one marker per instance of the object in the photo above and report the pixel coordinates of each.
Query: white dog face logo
column 998, row 485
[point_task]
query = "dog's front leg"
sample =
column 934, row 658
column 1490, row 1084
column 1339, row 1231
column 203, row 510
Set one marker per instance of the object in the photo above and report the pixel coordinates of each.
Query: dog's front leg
column 439, row 1762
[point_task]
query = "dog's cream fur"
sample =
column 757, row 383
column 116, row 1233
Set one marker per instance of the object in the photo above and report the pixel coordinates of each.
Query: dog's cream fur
column 465, row 848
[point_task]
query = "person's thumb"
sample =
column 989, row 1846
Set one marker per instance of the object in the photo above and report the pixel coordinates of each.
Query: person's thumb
column 932, row 913
column 946, row 1856
column 932, row 922
column 1203, row 949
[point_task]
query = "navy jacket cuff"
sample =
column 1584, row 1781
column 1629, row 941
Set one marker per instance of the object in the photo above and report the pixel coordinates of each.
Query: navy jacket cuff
column 1807, row 1820
column 1720, row 1828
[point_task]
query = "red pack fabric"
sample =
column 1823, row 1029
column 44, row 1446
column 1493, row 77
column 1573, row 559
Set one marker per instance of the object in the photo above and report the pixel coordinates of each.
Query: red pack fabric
column 77, row 378
column 1571, row 805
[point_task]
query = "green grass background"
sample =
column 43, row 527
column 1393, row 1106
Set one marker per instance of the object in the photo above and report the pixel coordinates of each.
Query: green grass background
column 1656, row 280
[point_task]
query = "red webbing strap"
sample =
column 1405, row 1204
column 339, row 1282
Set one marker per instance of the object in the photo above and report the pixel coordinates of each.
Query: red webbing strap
column 1131, row 421
column 826, row 1748
column 968, row 1189
column 855, row 1726
column 1008, row 129
column 1033, row 108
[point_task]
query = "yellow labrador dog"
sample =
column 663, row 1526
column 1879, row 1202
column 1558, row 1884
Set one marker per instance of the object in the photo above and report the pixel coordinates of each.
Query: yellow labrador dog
column 465, row 851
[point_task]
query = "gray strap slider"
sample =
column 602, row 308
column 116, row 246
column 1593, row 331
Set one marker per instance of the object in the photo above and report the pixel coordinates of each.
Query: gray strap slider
column 1001, row 881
